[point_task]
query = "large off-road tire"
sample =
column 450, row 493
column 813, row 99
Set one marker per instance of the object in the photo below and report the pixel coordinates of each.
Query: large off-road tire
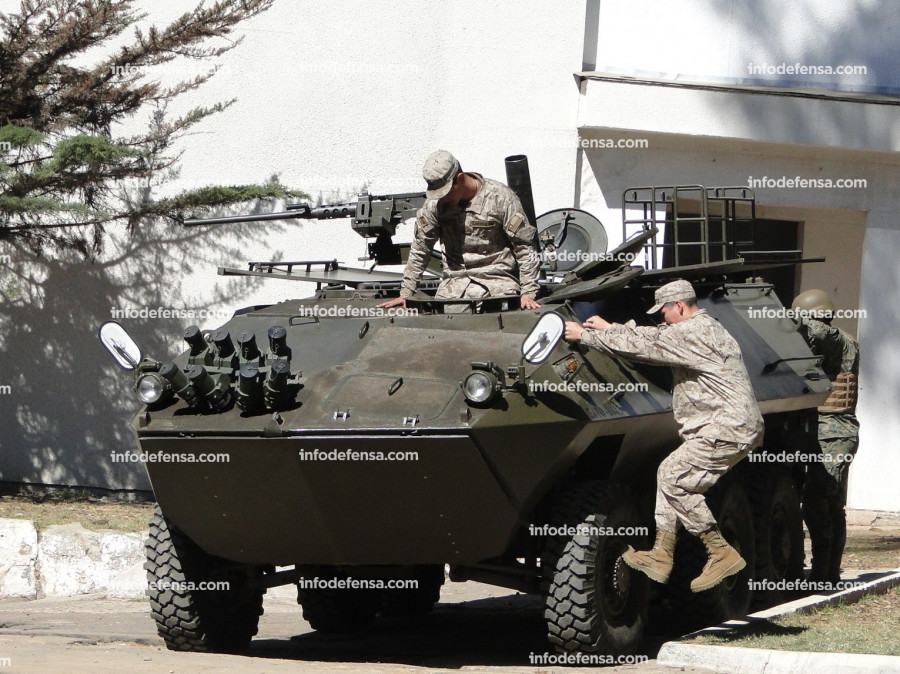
column 338, row 609
column 594, row 602
column 730, row 598
column 418, row 601
column 778, row 525
column 190, row 619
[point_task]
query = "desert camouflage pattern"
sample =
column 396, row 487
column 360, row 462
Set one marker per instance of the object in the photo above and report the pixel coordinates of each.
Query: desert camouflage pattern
column 712, row 396
column 487, row 244
column 684, row 477
column 825, row 487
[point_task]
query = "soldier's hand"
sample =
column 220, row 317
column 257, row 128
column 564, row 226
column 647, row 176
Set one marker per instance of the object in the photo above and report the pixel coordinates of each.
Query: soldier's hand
column 396, row 302
column 528, row 303
column 596, row 323
column 573, row 331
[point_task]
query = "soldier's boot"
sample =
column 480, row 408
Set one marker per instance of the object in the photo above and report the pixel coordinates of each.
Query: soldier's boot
column 657, row 562
column 820, row 566
column 837, row 548
column 723, row 561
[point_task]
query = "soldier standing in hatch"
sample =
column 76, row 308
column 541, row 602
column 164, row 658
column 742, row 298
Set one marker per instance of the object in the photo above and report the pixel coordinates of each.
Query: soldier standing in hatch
column 486, row 237
column 825, row 488
column 716, row 410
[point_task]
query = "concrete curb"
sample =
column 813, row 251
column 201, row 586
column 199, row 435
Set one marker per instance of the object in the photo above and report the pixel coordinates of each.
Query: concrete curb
column 735, row 660
column 69, row 560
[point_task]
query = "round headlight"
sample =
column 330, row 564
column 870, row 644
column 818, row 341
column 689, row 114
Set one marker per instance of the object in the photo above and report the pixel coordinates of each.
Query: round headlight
column 480, row 388
column 150, row 388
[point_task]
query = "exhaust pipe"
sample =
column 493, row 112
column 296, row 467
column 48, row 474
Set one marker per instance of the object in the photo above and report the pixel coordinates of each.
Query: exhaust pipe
column 519, row 181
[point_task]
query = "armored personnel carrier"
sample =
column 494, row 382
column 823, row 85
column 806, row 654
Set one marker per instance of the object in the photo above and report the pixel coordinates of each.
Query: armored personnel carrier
column 367, row 455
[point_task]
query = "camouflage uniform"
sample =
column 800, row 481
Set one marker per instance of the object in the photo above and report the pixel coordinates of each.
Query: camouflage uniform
column 487, row 242
column 825, row 489
column 713, row 403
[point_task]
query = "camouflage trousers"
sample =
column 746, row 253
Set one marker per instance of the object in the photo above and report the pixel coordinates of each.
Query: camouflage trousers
column 684, row 477
column 824, row 498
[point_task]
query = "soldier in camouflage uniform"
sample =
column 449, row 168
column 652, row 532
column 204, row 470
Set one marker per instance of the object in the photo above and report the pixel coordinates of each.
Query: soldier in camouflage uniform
column 825, row 488
column 487, row 240
column 716, row 410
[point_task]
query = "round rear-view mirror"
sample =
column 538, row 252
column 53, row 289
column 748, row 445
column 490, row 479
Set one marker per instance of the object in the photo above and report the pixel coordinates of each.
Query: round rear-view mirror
column 120, row 345
column 545, row 334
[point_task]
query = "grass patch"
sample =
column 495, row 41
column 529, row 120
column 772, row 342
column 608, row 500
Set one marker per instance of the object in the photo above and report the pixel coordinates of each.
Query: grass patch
column 868, row 626
column 65, row 508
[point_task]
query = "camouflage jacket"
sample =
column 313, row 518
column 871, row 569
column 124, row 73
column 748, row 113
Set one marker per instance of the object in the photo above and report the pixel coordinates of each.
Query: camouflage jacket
column 712, row 396
column 488, row 241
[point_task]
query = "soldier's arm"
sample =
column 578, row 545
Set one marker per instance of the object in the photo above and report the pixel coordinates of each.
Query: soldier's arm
column 652, row 345
column 427, row 233
column 837, row 349
column 521, row 235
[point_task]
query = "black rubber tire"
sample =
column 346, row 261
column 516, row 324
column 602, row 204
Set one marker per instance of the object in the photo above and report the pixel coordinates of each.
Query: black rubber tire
column 338, row 609
column 415, row 602
column 218, row 621
column 778, row 525
column 730, row 598
column 594, row 602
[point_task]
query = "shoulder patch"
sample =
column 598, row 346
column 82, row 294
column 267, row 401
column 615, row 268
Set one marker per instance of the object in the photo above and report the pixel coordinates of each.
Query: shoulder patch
column 514, row 223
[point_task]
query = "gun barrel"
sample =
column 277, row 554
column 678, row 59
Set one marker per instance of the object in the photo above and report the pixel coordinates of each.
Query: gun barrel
column 294, row 212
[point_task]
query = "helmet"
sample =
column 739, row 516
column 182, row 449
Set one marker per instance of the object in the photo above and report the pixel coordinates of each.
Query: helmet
column 816, row 302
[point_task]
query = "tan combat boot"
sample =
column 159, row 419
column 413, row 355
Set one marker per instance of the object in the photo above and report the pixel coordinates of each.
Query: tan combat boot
column 657, row 562
column 723, row 561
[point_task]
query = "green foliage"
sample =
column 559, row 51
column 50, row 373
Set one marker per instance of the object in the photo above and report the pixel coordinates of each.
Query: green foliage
column 62, row 168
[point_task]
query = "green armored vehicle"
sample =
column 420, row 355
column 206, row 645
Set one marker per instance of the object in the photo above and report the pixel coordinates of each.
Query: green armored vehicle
column 363, row 452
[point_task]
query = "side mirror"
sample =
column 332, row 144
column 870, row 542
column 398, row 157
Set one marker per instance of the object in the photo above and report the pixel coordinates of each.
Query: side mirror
column 120, row 345
column 545, row 335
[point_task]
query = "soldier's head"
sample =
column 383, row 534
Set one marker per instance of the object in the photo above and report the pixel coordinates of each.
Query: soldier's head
column 441, row 172
column 815, row 304
column 676, row 301
column 446, row 180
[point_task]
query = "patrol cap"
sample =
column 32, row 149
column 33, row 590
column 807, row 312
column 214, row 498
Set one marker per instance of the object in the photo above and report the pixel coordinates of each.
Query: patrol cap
column 676, row 290
column 439, row 171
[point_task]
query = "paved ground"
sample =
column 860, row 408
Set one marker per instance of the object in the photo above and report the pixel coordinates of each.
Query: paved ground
column 475, row 628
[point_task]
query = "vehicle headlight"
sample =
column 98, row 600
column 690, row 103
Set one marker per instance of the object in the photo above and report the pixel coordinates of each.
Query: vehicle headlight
column 481, row 388
column 150, row 388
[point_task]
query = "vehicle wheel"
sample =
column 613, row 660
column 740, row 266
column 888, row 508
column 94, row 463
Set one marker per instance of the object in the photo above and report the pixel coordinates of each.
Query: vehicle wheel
column 594, row 603
column 730, row 598
column 329, row 609
column 190, row 619
column 779, row 532
column 416, row 601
